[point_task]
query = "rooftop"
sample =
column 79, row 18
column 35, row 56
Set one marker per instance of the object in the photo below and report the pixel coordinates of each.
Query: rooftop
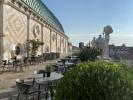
column 39, row 7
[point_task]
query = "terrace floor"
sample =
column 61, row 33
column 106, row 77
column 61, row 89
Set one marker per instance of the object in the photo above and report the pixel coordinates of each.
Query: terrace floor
column 8, row 79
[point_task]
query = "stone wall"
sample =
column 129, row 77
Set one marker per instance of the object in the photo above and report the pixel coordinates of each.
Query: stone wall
column 58, row 43
column 46, row 39
column 62, row 44
column 35, row 32
column 17, row 26
column 53, row 42
column 15, row 29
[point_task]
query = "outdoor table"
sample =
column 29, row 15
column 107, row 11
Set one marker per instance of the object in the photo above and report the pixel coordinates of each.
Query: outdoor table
column 68, row 64
column 40, row 80
column 53, row 76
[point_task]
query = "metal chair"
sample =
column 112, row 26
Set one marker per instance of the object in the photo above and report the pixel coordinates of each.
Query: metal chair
column 3, row 64
column 25, row 90
column 6, row 64
column 26, row 62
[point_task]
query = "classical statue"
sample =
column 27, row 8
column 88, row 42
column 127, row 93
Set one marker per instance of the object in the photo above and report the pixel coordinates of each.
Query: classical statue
column 106, row 34
column 102, row 42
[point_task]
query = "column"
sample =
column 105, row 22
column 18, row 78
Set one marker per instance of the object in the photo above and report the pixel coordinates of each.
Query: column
column 65, row 44
column 1, row 31
column 56, row 42
column 28, row 27
column 42, row 38
column 50, row 39
column 28, row 33
column 60, row 44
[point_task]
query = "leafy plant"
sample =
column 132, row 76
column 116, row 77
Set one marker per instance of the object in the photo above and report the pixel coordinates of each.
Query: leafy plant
column 88, row 53
column 96, row 81
column 48, row 67
column 34, row 46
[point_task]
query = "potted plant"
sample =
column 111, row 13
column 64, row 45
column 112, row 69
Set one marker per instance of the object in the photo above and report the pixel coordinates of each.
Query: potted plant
column 48, row 69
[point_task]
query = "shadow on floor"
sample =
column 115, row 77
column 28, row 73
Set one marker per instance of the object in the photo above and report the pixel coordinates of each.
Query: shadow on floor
column 8, row 95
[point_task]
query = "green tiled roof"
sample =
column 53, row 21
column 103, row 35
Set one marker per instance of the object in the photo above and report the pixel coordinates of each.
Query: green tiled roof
column 39, row 7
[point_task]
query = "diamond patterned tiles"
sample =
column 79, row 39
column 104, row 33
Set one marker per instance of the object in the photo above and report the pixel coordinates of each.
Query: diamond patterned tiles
column 15, row 26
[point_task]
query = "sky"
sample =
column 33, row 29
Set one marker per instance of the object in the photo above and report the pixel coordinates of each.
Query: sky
column 84, row 19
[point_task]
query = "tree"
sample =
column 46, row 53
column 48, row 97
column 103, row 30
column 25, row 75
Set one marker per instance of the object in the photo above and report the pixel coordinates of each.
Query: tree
column 34, row 46
column 88, row 53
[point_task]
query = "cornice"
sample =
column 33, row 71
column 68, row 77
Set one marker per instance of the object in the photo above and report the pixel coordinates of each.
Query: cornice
column 20, row 6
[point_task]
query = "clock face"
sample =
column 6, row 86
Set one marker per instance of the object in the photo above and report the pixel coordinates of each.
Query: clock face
column 36, row 30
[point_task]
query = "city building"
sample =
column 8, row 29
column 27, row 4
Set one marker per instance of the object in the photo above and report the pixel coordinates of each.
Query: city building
column 22, row 20
column 75, row 50
column 121, row 54
column 69, row 47
column 81, row 45
column 119, row 50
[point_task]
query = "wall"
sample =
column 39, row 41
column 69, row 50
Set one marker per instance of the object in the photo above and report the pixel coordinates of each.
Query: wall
column 66, row 46
column 15, row 26
column 58, row 43
column 53, row 42
column 46, row 39
column 62, row 44
column 35, row 32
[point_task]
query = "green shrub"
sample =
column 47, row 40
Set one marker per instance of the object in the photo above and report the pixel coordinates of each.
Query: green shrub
column 49, row 67
column 96, row 81
column 88, row 54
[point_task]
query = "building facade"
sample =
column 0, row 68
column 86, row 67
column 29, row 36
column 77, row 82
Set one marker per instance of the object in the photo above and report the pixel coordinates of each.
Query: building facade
column 121, row 54
column 22, row 20
column 81, row 45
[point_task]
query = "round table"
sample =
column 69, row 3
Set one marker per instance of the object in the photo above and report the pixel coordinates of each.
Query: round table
column 53, row 76
column 40, row 80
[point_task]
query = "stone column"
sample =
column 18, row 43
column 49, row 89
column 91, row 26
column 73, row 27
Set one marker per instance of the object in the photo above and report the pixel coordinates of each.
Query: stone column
column 28, row 27
column 1, row 30
column 60, row 44
column 56, row 42
column 28, row 33
column 50, row 39
column 65, row 45
column 42, row 38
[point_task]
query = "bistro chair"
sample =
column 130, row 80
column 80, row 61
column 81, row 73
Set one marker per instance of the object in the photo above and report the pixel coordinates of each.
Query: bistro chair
column 3, row 64
column 26, row 62
column 26, row 91
column 6, row 64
